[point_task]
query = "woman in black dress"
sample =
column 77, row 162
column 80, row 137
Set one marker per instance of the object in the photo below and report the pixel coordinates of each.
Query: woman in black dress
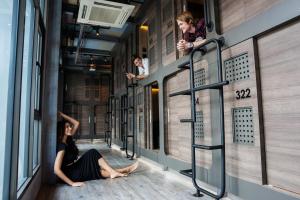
column 194, row 31
column 91, row 165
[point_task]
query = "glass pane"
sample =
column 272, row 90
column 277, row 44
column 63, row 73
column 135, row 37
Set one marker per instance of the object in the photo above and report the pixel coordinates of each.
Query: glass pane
column 25, row 93
column 7, row 45
column 42, row 6
column 35, row 142
column 37, row 88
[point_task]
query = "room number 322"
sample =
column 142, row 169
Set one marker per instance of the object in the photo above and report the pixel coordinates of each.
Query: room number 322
column 243, row 94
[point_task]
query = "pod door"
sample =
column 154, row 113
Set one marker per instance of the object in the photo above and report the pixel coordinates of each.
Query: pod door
column 152, row 108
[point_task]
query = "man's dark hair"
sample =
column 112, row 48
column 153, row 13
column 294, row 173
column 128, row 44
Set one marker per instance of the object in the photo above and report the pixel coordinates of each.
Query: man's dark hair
column 135, row 57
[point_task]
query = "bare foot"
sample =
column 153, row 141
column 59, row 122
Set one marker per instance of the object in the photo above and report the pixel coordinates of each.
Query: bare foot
column 116, row 174
column 133, row 167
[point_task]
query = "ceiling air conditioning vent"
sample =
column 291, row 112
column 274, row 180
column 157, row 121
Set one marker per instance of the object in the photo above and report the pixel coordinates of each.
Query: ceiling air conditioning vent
column 104, row 13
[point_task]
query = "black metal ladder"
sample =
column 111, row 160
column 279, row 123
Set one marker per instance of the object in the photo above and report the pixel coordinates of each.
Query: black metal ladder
column 108, row 121
column 123, row 121
column 216, row 86
column 130, row 107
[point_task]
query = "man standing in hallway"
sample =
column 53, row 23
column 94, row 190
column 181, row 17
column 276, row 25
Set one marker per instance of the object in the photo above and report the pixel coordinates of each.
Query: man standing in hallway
column 143, row 67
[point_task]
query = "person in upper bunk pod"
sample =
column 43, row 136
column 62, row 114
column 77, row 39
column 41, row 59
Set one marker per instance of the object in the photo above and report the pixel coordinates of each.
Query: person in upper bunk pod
column 143, row 66
column 194, row 32
column 91, row 165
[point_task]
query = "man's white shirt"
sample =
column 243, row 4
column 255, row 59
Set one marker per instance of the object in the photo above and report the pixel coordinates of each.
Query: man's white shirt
column 145, row 69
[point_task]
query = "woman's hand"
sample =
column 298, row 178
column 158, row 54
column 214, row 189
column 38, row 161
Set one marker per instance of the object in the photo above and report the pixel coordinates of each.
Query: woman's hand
column 183, row 45
column 78, row 184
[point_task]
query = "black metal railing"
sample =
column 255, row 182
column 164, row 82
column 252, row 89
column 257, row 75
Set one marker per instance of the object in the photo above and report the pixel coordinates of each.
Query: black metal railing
column 216, row 86
column 131, row 108
column 108, row 121
column 123, row 121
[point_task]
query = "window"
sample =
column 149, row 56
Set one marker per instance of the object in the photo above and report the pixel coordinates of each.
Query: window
column 8, row 27
column 25, row 93
column 37, row 111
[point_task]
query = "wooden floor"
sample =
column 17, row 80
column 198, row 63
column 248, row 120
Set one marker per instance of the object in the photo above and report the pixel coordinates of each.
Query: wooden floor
column 148, row 182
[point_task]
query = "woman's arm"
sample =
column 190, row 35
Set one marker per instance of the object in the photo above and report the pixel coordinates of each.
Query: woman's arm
column 198, row 42
column 72, row 121
column 60, row 173
column 184, row 45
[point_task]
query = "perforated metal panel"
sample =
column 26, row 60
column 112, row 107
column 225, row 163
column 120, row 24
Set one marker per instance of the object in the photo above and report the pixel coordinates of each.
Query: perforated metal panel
column 199, row 127
column 141, row 123
column 167, row 11
column 152, row 27
column 169, row 43
column 199, row 77
column 243, row 126
column 152, row 55
column 237, row 68
column 140, row 98
column 130, row 101
column 130, row 123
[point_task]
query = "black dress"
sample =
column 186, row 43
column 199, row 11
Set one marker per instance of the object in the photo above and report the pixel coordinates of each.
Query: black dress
column 85, row 168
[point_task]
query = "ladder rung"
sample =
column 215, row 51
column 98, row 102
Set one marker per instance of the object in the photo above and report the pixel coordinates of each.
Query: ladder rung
column 186, row 120
column 203, row 87
column 184, row 92
column 186, row 172
column 207, row 147
column 184, row 65
column 132, row 85
column 212, row 86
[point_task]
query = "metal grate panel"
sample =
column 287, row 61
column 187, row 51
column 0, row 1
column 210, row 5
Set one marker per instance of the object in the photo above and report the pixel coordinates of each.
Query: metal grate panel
column 130, row 123
column 152, row 55
column 243, row 126
column 169, row 43
column 152, row 27
column 237, row 68
column 199, row 126
column 199, row 77
column 140, row 98
column 141, row 124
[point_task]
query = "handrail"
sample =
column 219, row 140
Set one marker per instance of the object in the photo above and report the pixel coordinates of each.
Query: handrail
column 221, row 193
column 191, row 91
column 132, row 108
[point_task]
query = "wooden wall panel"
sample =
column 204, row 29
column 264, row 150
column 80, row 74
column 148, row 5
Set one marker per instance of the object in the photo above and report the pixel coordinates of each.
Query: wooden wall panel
column 178, row 107
column 242, row 160
column 280, row 71
column 234, row 13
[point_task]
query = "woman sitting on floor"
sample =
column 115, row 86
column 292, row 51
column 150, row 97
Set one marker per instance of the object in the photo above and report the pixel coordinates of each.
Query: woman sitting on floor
column 91, row 165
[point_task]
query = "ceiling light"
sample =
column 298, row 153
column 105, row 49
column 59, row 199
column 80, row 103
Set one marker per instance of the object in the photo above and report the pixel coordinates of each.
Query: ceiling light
column 144, row 27
column 92, row 65
column 92, row 68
